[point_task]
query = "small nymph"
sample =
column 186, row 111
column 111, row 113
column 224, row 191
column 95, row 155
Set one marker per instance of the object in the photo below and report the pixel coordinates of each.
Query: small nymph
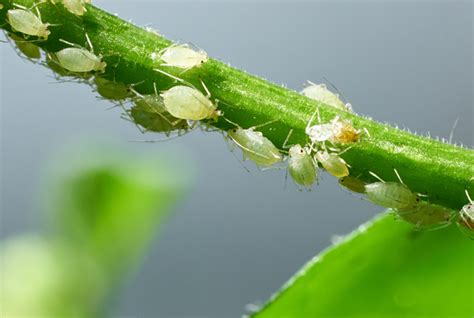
column 333, row 164
column 352, row 184
column 111, row 89
column 301, row 166
column 321, row 93
column 183, row 56
column 26, row 22
column 338, row 131
column 77, row 7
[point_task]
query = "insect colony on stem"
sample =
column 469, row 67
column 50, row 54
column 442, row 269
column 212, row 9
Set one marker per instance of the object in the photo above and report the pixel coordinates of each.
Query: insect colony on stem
column 182, row 106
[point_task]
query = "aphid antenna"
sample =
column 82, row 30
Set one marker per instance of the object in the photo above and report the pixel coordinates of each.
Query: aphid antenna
column 285, row 146
column 376, row 176
column 398, row 176
column 20, row 6
column 451, row 133
column 157, row 140
column 468, row 197
column 71, row 44
column 208, row 93
column 231, row 147
column 316, row 113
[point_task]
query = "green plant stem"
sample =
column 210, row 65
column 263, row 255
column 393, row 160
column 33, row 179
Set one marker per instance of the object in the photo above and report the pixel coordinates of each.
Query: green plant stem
column 438, row 170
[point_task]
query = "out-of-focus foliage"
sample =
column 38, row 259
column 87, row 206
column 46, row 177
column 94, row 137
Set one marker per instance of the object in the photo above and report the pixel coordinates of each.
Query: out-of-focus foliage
column 106, row 208
column 384, row 269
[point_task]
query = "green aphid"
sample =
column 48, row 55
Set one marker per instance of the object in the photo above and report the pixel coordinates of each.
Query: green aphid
column 353, row 184
column 301, row 166
column 391, row 195
column 111, row 89
column 150, row 113
column 426, row 216
column 28, row 49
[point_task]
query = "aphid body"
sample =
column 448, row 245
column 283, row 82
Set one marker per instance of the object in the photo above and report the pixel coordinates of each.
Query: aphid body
column 112, row 90
column 255, row 146
column 150, row 113
column 183, row 56
column 26, row 22
column 352, row 184
column 466, row 218
column 29, row 49
column 320, row 93
column 426, row 216
column 80, row 60
column 76, row 7
column 188, row 103
column 333, row 164
column 391, row 195
column 301, row 166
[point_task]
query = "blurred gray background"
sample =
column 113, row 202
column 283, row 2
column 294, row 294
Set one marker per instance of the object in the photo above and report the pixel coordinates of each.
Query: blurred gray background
column 239, row 236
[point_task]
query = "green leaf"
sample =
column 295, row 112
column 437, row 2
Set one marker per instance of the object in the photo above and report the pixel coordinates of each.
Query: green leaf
column 111, row 203
column 384, row 269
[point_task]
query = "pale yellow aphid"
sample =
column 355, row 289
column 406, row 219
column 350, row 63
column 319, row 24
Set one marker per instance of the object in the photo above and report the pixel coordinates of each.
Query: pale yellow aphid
column 80, row 60
column 26, row 22
column 301, row 166
column 183, row 56
column 255, row 146
column 29, row 49
column 333, row 164
column 322, row 94
column 76, row 7
column 188, row 103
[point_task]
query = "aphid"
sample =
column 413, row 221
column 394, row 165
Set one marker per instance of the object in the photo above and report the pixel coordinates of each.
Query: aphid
column 80, row 60
column 112, row 90
column 76, row 7
column 29, row 49
column 26, row 22
column 322, row 94
column 352, row 184
column 150, row 113
column 391, row 194
column 333, row 164
column 1, row 6
column 425, row 215
column 338, row 131
column 466, row 218
column 188, row 103
column 183, row 56
column 255, row 146
column 301, row 166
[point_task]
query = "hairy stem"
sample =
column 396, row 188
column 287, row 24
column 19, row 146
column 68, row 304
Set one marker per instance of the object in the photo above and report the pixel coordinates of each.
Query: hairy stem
column 438, row 170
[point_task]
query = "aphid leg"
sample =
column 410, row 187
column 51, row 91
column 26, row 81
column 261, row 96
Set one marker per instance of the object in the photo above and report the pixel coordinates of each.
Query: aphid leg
column 285, row 146
column 231, row 147
column 174, row 77
column 376, row 176
column 208, row 93
column 89, row 43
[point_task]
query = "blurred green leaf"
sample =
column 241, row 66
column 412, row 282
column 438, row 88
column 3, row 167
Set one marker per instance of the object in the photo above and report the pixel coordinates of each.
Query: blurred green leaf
column 384, row 269
column 111, row 203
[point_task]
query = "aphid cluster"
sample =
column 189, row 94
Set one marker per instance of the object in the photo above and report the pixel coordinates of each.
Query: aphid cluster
column 181, row 106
